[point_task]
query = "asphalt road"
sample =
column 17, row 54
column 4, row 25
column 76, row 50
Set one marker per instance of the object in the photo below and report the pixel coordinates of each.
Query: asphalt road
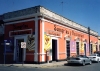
column 93, row 67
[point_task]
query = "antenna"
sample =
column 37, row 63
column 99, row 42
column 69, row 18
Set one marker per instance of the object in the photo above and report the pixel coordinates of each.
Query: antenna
column 13, row 5
column 62, row 5
column 41, row 2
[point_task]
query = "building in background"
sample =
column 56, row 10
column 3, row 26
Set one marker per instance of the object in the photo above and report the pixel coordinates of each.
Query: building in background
column 1, row 38
column 44, row 30
column 99, row 43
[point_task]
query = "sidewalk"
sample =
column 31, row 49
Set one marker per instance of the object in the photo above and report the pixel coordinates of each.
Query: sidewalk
column 53, row 64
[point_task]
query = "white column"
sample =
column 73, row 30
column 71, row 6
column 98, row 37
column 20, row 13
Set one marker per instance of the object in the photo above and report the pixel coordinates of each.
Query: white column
column 42, row 38
column 51, row 48
column 65, row 47
column 57, row 49
column 36, row 40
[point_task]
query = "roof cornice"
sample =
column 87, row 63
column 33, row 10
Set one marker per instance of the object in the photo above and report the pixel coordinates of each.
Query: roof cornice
column 39, row 10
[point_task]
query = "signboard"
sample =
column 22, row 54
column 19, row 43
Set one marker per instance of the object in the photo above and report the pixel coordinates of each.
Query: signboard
column 47, row 44
column 54, row 33
column 94, row 47
column 23, row 44
column 81, row 47
column 20, row 32
column 7, row 43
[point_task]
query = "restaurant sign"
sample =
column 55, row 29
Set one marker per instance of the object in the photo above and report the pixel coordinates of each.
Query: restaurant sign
column 20, row 32
column 54, row 33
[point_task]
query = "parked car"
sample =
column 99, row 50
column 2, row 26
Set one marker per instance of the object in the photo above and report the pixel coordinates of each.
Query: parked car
column 80, row 59
column 97, row 52
column 95, row 57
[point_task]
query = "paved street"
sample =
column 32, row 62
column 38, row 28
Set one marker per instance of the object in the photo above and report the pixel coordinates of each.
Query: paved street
column 93, row 67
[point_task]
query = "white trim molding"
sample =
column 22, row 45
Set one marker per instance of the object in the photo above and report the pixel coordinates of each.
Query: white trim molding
column 19, row 31
column 24, row 50
column 43, row 26
column 26, row 20
column 39, row 11
column 57, row 47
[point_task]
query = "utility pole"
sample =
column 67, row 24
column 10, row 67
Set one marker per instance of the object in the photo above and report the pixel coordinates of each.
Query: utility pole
column 89, row 39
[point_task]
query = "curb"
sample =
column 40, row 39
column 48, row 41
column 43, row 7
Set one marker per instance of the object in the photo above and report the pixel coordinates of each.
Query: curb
column 50, row 66
column 35, row 66
column 45, row 66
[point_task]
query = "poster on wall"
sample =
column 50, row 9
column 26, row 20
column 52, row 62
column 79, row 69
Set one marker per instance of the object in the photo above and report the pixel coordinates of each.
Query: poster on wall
column 81, row 47
column 30, row 42
column 99, row 41
column 87, row 47
column 47, row 43
column 72, row 46
column 94, row 47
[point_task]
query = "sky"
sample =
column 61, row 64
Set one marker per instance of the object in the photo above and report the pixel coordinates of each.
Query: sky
column 84, row 12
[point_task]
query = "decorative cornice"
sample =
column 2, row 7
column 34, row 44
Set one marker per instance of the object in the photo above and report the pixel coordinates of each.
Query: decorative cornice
column 39, row 10
column 65, row 21
column 22, row 12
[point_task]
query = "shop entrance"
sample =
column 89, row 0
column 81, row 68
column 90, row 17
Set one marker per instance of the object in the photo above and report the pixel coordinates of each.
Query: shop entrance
column 77, row 48
column 91, row 50
column 99, row 47
column 96, row 48
column 84, row 48
column 68, row 48
column 19, row 50
column 54, row 49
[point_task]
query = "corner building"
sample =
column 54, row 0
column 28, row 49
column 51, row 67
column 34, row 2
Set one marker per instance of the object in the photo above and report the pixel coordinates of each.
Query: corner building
column 44, row 30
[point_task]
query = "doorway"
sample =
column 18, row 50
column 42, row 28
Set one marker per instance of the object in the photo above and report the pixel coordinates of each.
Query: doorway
column 99, row 47
column 96, row 48
column 77, row 48
column 68, row 48
column 85, row 48
column 19, row 50
column 91, row 50
column 54, row 49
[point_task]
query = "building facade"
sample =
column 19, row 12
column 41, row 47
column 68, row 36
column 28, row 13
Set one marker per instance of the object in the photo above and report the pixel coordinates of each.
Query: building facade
column 1, row 38
column 99, row 43
column 44, row 30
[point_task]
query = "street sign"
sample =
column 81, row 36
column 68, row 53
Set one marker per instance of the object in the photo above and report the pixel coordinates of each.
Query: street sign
column 7, row 43
column 23, row 44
